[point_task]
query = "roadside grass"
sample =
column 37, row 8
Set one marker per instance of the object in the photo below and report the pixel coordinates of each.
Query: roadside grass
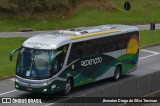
column 149, row 37
column 7, row 68
column 142, row 11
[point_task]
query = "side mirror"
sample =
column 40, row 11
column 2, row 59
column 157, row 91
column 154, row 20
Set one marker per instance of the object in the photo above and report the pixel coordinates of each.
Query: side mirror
column 12, row 53
column 52, row 59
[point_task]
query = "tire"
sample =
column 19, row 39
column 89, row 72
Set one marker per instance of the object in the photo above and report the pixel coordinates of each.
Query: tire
column 68, row 87
column 117, row 73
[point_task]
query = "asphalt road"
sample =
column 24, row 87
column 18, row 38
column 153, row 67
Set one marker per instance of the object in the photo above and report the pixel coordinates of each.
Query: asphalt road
column 149, row 62
column 29, row 34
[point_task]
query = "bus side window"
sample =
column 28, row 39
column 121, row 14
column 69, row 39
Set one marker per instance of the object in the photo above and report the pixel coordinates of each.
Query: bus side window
column 88, row 48
column 98, row 48
column 61, row 57
column 80, row 53
column 126, row 39
column 75, row 52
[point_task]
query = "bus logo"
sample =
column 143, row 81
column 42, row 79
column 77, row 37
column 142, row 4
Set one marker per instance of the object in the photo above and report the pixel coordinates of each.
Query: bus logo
column 91, row 61
column 38, row 44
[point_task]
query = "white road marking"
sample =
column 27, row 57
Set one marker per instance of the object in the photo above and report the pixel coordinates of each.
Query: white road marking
column 147, row 56
column 8, row 92
column 49, row 104
column 12, row 79
column 150, row 51
column 153, row 54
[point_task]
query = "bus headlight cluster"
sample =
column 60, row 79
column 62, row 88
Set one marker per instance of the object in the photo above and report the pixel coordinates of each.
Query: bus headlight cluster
column 17, row 86
column 17, row 80
column 44, row 90
column 45, row 84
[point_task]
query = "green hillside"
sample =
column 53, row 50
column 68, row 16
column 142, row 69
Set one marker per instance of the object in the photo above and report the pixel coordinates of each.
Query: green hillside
column 62, row 14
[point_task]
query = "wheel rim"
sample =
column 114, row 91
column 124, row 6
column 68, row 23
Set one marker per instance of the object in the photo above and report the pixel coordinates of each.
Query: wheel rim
column 68, row 87
column 117, row 74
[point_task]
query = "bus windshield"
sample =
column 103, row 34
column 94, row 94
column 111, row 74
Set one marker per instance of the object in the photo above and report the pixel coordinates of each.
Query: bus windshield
column 34, row 64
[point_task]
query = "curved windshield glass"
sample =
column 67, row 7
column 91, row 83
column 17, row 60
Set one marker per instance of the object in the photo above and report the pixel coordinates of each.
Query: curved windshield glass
column 34, row 64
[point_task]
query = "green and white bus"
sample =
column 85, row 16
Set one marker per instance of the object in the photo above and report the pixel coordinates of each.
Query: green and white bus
column 59, row 61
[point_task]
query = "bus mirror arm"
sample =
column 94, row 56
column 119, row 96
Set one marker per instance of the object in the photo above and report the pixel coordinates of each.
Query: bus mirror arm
column 52, row 59
column 12, row 53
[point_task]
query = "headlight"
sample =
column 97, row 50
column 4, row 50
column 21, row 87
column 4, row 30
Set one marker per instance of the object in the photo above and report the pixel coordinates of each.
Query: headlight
column 44, row 90
column 45, row 84
column 17, row 86
column 17, row 80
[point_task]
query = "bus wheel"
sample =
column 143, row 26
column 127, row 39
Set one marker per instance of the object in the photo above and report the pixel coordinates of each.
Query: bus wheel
column 68, row 87
column 117, row 73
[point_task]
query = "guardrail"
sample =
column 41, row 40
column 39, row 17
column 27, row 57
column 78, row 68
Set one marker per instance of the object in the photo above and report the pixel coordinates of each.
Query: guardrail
column 133, row 87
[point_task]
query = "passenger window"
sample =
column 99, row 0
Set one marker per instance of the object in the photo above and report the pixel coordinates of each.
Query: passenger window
column 75, row 52
column 80, row 53
column 59, row 60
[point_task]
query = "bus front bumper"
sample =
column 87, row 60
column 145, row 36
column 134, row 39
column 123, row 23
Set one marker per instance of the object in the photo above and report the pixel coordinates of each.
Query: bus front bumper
column 47, row 89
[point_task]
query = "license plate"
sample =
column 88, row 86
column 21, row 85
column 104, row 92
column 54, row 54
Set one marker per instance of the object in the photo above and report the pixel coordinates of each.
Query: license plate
column 29, row 89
